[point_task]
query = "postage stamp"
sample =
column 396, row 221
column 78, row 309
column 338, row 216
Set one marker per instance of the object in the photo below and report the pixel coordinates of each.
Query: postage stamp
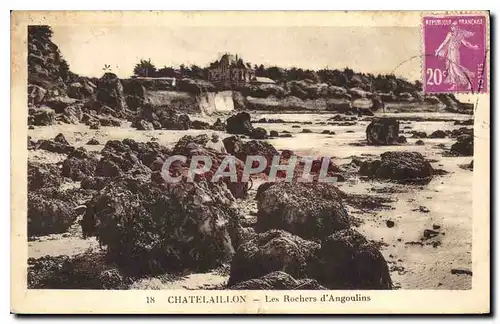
column 455, row 54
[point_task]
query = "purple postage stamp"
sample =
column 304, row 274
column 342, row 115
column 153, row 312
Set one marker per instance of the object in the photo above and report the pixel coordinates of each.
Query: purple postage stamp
column 455, row 54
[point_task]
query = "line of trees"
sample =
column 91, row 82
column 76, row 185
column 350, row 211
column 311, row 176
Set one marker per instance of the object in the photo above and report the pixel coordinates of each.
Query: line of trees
column 342, row 78
column 145, row 68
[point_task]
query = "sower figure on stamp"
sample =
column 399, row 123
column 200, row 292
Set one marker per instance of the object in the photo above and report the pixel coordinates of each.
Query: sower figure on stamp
column 457, row 76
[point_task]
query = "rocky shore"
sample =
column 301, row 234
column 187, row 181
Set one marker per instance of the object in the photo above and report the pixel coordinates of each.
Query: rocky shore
column 101, row 216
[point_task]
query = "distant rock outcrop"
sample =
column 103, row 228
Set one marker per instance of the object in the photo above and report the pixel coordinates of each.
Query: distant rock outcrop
column 406, row 167
column 383, row 131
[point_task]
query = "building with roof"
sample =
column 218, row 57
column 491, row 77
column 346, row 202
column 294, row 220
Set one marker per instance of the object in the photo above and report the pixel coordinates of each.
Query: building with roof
column 230, row 71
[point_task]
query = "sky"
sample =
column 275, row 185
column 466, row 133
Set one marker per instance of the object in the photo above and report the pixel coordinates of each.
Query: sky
column 363, row 49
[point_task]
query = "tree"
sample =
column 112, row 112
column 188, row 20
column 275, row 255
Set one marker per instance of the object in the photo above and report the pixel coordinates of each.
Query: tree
column 169, row 72
column 196, row 72
column 145, row 69
column 39, row 32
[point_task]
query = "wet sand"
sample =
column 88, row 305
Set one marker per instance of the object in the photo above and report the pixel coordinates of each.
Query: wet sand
column 414, row 263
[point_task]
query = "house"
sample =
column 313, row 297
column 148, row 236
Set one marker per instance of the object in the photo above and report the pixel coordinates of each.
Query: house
column 230, row 71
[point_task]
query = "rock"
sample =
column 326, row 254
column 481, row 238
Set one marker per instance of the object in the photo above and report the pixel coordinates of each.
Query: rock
column 89, row 270
column 61, row 139
column 419, row 142
column 365, row 112
column 306, row 130
column 295, row 126
column 81, row 90
column 468, row 122
column 432, row 100
column 143, row 125
column 72, row 114
column 438, row 134
column 278, row 280
column 423, row 209
column 326, row 131
column 286, row 135
column 110, row 92
column 59, row 103
column 174, row 121
column 242, row 150
column 417, row 134
column 31, row 127
column 461, row 271
column 382, row 131
column 190, row 146
column 218, row 125
column 156, row 124
column 95, row 125
column 348, row 261
column 428, row 233
column 401, row 139
column 464, row 146
column 186, row 225
column 274, row 250
column 93, row 141
column 47, row 215
column 109, row 121
column 258, row 133
column 389, row 223
column 198, row 124
column 55, row 146
column 436, row 227
column 79, row 165
column 406, row 167
column 43, row 176
column 118, row 164
column 36, row 94
column 239, row 124
column 462, row 131
column 94, row 183
column 273, row 133
column 43, row 116
column 309, row 210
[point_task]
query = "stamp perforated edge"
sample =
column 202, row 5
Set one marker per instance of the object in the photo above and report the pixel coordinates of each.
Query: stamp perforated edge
column 486, row 14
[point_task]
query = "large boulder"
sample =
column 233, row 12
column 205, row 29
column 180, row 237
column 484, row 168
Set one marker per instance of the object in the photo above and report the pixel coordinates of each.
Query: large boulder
column 48, row 215
column 399, row 166
column 278, row 280
column 464, row 145
column 438, row 134
column 383, row 131
column 189, row 146
column 110, row 92
column 461, row 131
column 59, row 103
column 79, row 164
column 83, row 271
column 42, row 116
column 43, row 176
column 36, row 94
column 151, row 227
column 57, row 145
column 348, row 261
column 274, row 250
column 258, row 133
column 239, row 124
column 242, row 150
column 309, row 210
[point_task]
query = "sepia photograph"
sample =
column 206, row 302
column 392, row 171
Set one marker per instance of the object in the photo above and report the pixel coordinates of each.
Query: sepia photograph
column 253, row 156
